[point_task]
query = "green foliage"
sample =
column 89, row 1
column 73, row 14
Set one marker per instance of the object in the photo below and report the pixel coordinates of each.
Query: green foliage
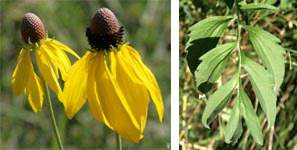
column 270, row 2
column 257, row 6
column 282, row 24
column 206, row 34
column 249, row 115
column 271, row 53
column 265, row 83
column 203, row 37
column 219, row 100
column 234, row 126
column 263, row 87
column 242, row 108
column 230, row 3
column 213, row 63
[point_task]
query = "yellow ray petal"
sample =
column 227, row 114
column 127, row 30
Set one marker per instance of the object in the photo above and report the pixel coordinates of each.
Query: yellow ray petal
column 57, row 57
column 63, row 47
column 49, row 58
column 25, row 80
column 133, row 63
column 135, row 93
column 20, row 76
column 75, row 90
column 34, row 91
column 93, row 99
column 114, row 105
column 113, row 64
column 48, row 73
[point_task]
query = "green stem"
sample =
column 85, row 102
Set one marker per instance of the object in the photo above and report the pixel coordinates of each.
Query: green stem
column 50, row 107
column 119, row 141
column 118, row 137
column 239, row 27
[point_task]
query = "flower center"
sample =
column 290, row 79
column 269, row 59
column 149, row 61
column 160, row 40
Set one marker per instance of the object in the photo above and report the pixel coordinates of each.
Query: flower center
column 32, row 28
column 104, row 32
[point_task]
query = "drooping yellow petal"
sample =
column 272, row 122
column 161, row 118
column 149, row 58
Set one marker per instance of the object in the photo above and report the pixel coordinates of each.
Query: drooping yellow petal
column 20, row 76
column 34, row 91
column 135, row 92
column 25, row 80
column 56, row 57
column 75, row 90
column 63, row 47
column 48, row 72
column 132, row 62
column 114, row 104
column 93, row 98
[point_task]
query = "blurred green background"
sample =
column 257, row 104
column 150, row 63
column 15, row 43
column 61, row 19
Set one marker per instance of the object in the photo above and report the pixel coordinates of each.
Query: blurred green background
column 147, row 28
column 283, row 24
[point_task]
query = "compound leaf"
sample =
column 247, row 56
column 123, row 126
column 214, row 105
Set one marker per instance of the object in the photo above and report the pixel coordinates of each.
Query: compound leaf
column 271, row 53
column 213, row 63
column 203, row 37
column 257, row 6
column 219, row 100
column 262, row 84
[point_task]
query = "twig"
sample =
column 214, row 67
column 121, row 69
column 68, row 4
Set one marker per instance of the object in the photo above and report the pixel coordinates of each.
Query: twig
column 289, row 59
column 184, row 122
column 194, row 146
column 197, row 106
column 271, row 138
column 256, row 18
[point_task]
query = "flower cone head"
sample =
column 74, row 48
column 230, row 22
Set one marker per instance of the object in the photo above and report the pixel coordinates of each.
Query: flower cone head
column 104, row 22
column 32, row 28
column 105, row 30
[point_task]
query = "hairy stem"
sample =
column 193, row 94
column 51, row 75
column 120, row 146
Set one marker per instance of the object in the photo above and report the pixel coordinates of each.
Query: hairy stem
column 50, row 107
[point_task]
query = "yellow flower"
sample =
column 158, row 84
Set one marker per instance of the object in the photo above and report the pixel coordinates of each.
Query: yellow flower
column 50, row 58
column 114, row 79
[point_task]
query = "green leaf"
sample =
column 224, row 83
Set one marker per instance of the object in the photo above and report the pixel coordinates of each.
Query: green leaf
column 229, row 3
column 241, row 2
column 213, row 63
column 286, row 4
column 271, row 53
column 262, row 84
column 257, row 6
column 250, row 116
column 234, row 126
column 271, row 1
column 219, row 100
column 203, row 37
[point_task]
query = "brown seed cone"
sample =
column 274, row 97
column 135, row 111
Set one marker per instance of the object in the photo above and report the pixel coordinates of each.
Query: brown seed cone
column 32, row 28
column 105, row 31
column 104, row 22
